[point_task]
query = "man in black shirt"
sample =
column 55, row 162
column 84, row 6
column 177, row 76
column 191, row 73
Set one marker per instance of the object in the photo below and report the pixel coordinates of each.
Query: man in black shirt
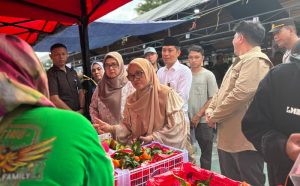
column 272, row 122
column 64, row 84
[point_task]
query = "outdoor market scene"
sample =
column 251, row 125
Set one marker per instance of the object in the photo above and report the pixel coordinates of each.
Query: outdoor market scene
column 150, row 93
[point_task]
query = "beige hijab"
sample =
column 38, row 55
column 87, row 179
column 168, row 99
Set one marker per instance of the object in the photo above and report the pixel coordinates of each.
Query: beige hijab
column 110, row 90
column 145, row 110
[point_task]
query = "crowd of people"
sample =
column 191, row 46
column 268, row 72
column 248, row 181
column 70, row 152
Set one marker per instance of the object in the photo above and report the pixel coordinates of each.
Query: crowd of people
column 255, row 109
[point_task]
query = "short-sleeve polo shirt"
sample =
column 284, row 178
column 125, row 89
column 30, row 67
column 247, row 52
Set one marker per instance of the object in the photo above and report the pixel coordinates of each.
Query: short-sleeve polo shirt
column 66, row 85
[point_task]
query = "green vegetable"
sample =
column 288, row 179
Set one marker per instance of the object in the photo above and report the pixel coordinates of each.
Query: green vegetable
column 156, row 150
column 204, row 182
column 181, row 180
column 136, row 148
column 130, row 162
column 120, row 154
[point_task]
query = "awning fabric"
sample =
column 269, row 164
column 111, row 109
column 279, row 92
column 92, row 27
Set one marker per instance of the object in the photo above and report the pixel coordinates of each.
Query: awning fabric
column 104, row 33
column 29, row 18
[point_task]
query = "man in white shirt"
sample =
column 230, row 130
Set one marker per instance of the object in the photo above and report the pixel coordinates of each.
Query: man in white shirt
column 176, row 75
column 285, row 36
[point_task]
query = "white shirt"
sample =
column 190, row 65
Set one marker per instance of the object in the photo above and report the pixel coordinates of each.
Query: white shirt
column 179, row 78
column 286, row 56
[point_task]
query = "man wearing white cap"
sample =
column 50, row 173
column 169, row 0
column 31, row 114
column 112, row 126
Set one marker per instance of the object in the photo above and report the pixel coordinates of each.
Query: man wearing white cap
column 151, row 55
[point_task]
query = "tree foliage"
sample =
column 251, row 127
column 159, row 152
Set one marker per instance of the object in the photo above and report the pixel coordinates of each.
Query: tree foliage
column 148, row 5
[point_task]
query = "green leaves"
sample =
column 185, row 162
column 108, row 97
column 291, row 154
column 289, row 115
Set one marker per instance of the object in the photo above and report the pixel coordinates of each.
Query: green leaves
column 204, row 182
column 156, row 150
column 130, row 162
column 136, row 147
column 181, row 180
column 148, row 5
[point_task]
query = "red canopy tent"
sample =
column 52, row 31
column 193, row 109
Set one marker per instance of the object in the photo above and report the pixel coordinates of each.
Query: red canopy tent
column 27, row 29
column 29, row 18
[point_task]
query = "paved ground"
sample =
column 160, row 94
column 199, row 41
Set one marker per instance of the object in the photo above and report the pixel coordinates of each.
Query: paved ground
column 215, row 160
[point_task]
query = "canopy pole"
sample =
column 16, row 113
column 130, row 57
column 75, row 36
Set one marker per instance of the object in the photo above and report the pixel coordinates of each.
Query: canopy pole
column 84, row 43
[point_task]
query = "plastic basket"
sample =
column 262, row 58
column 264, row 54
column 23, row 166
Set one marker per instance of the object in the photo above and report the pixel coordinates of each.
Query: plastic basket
column 139, row 176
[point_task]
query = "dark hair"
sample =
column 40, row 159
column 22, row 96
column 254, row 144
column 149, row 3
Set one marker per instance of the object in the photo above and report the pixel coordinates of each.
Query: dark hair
column 219, row 56
column 254, row 32
column 57, row 45
column 177, row 48
column 196, row 48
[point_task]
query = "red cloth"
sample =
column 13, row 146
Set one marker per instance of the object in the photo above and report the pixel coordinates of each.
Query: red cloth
column 190, row 173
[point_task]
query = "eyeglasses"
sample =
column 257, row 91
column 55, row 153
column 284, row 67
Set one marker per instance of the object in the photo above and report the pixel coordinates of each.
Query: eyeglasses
column 113, row 65
column 136, row 75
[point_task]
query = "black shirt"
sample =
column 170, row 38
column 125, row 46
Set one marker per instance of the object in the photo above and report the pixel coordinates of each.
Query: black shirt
column 66, row 85
column 273, row 115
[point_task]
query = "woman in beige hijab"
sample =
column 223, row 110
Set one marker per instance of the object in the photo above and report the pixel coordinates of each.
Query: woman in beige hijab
column 152, row 112
column 109, row 98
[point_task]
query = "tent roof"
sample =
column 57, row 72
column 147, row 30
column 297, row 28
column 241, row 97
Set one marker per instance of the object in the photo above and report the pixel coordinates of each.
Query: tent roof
column 103, row 33
column 26, row 29
column 167, row 9
column 70, row 11
column 29, row 18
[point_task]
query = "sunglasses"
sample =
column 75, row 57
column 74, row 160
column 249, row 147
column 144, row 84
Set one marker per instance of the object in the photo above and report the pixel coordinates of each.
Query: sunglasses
column 136, row 75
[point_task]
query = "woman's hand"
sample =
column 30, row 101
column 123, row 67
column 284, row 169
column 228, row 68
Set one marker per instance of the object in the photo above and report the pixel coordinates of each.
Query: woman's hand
column 103, row 127
column 146, row 139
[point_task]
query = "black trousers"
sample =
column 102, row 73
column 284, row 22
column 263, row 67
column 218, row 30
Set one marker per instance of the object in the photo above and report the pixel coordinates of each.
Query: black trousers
column 243, row 166
column 204, row 136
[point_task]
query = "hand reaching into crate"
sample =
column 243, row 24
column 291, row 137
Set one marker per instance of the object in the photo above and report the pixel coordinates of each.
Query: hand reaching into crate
column 103, row 127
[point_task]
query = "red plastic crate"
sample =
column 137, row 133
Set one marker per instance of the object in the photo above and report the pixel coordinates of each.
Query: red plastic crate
column 190, row 172
column 139, row 176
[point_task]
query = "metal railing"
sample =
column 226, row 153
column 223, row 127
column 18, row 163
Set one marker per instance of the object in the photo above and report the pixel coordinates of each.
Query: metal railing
column 198, row 34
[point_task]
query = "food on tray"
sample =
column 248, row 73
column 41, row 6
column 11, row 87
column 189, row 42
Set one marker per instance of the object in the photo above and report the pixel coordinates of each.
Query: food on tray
column 112, row 144
column 137, row 155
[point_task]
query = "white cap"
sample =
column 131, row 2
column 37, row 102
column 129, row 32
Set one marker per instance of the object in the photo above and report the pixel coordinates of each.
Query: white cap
column 149, row 49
